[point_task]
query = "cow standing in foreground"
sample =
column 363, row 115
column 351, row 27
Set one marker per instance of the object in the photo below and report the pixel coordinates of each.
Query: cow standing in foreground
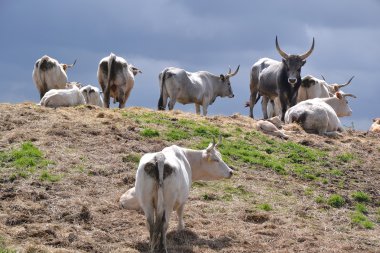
column 320, row 115
column 271, row 79
column 163, row 182
column 201, row 88
column 116, row 78
column 49, row 74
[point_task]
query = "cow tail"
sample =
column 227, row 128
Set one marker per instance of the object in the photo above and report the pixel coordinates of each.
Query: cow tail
column 158, row 233
column 44, row 84
column 161, row 100
column 111, row 60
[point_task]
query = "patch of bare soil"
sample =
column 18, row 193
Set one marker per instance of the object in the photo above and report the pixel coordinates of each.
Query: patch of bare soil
column 80, row 213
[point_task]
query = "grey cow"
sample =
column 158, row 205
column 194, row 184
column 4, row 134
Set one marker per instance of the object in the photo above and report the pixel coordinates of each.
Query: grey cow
column 271, row 79
column 201, row 88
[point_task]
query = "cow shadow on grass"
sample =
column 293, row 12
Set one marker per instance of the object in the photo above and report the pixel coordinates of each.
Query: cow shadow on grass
column 185, row 240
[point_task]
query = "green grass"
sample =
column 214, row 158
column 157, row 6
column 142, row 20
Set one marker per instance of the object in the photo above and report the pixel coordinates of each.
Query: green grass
column 48, row 176
column 345, row 157
column 336, row 201
column 320, row 199
column 358, row 218
column 175, row 134
column 24, row 161
column 361, row 208
column 361, row 196
column 131, row 157
column 265, row 207
column 148, row 132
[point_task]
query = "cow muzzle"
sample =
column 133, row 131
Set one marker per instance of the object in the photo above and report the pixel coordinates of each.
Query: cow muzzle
column 292, row 81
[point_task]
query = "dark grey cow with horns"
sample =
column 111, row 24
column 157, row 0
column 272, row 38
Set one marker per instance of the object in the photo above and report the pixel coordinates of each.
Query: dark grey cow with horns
column 201, row 88
column 271, row 79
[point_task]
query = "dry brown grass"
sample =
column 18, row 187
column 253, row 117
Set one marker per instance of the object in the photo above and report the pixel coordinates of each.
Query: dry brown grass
column 80, row 213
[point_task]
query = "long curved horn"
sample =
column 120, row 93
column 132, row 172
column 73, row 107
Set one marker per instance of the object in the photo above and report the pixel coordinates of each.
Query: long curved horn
column 349, row 81
column 282, row 53
column 232, row 74
column 72, row 65
column 308, row 53
column 323, row 78
column 348, row 95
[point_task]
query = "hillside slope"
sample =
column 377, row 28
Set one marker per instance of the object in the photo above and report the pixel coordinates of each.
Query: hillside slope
column 63, row 170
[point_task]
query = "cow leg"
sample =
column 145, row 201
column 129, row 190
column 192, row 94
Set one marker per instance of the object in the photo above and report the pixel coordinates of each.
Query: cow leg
column 172, row 103
column 123, row 97
column 252, row 102
column 198, row 108
column 181, row 224
column 284, row 107
column 107, row 97
column 204, row 108
column 264, row 104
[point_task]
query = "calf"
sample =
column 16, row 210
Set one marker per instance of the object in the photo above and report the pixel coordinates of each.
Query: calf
column 320, row 115
column 92, row 95
column 63, row 97
column 163, row 182
column 49, row 74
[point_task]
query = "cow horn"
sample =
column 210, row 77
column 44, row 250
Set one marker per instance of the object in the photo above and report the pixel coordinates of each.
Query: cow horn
column 349, row 81
column 72, row 65
column 282, row 53
column 348, row 95
column 232, row 74
column 324, row 79
column 308, row 53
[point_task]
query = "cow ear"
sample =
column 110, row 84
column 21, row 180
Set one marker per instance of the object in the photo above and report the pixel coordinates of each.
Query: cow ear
column 64, row 66
column 339, row 95
column 222, row 77
column 303, row 62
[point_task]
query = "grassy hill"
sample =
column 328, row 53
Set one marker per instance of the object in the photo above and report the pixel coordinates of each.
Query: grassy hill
column 63, row 171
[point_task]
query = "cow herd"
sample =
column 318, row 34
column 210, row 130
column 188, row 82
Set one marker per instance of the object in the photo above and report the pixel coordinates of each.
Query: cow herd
column 163, row 179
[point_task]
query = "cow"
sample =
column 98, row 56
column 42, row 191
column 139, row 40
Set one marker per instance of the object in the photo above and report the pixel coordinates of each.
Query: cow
column 375, row 127
column 71, row 96
column 270, row 79
column 49, row 74
column 312, row 87
column 116, row 78
column 271, row 127
column 92, row 95
column 163, row 182
column 320, row 115
column 200, row 88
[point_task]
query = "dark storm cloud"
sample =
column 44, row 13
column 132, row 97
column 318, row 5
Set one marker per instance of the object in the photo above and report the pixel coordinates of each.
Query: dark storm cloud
column 196, row 35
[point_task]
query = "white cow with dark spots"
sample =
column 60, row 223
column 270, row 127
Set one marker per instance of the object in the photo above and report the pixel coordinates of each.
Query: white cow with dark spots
column 92, row 95
column 163, row 182
column 49, row 74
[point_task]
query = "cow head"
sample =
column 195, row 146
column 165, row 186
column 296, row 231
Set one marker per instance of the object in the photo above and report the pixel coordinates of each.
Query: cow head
column 215, row 167
column 66, row 66
column 341, row 107
column 134, row 70
column 376, row 120
column 226, row 89
column 293, row 63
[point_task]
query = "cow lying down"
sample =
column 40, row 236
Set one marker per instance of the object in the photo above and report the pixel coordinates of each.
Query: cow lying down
column 163, row 182
column 320, row 115
column 375, row 127
column 71, row 96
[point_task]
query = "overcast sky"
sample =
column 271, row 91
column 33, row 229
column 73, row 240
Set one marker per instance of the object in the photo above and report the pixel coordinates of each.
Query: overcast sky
column 194, row 35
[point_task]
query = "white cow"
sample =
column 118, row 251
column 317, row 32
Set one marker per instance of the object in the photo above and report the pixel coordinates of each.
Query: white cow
column 92, row 95
column 201, row 88
column 163, row 182
column 49, row 74
column 116, row 78
column 312, row 87
column 320, row 115
column 375, row 127
column 71, row 96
